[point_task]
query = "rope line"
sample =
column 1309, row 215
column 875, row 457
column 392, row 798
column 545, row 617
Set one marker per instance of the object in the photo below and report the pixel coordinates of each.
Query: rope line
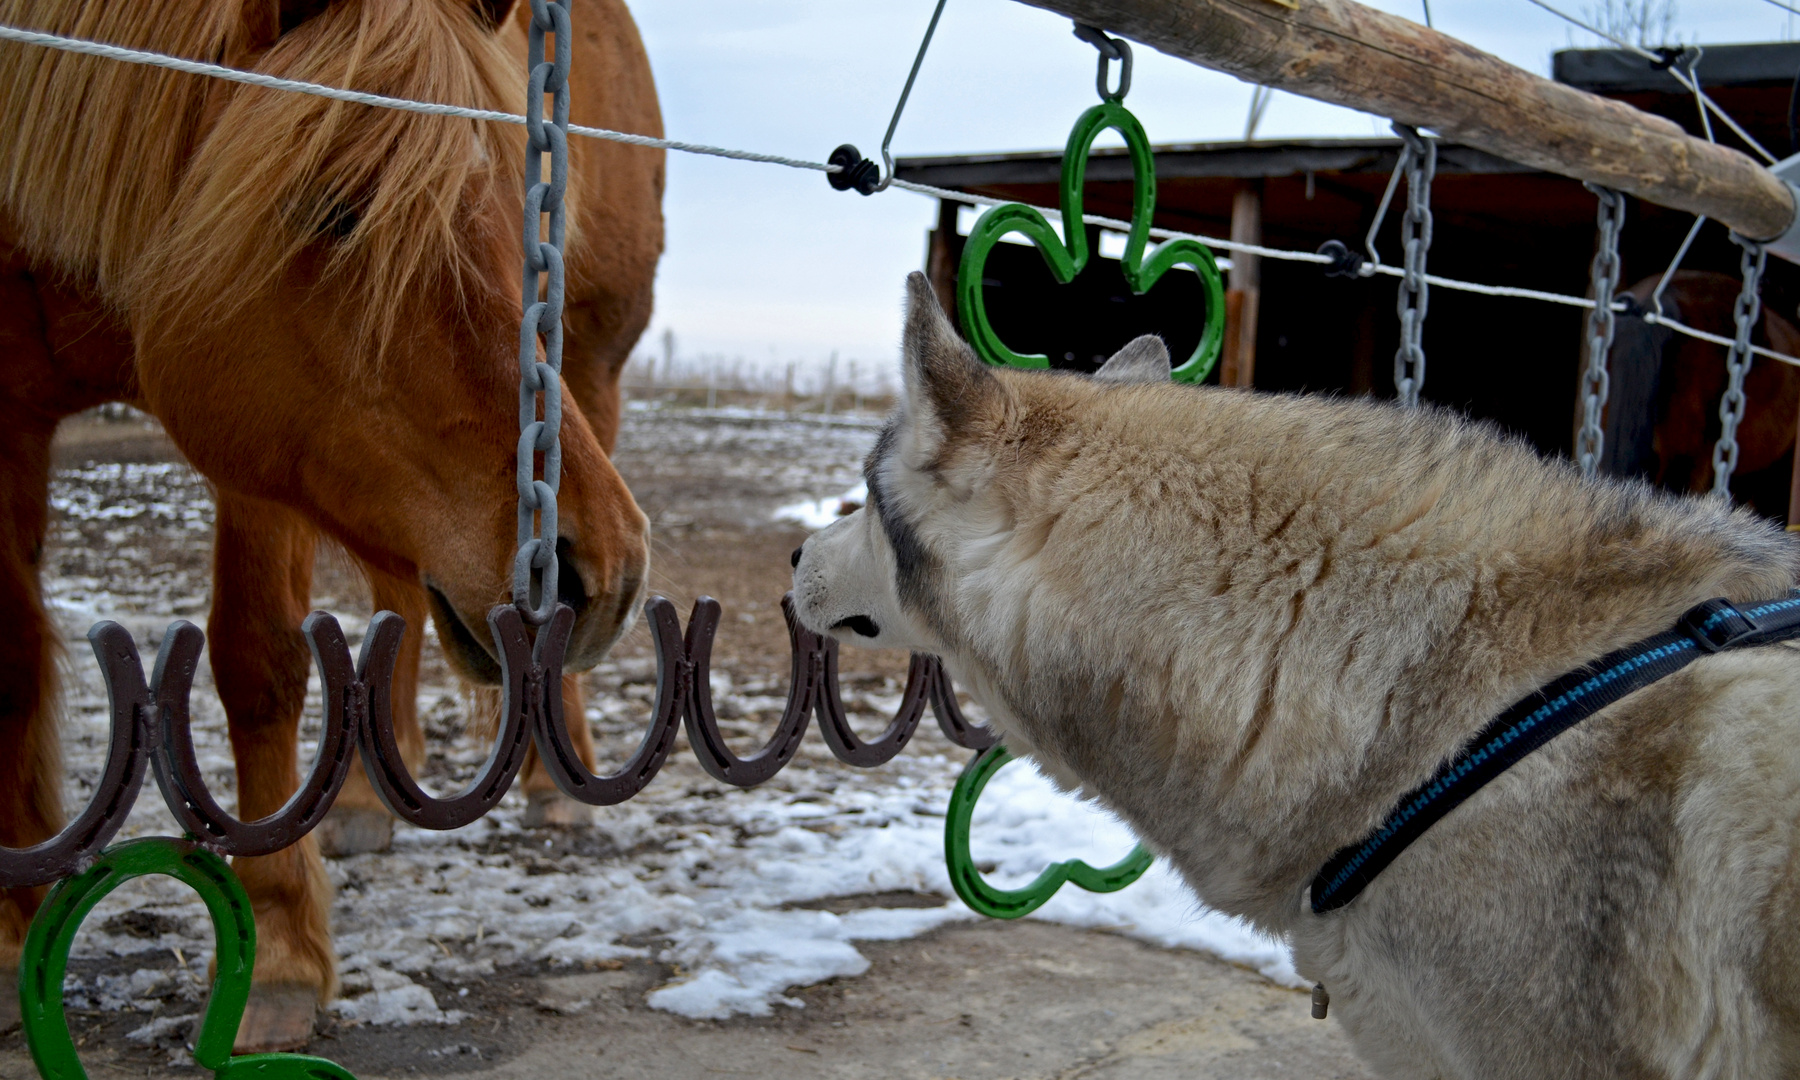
column 358, row 97
column 1717, row 339
column 1513, row 292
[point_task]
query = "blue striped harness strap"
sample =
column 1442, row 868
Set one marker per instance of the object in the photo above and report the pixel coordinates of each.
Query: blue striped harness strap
column 1715, row 626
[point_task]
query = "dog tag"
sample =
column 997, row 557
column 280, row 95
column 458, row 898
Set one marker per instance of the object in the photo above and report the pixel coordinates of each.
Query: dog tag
column 1321, row 1001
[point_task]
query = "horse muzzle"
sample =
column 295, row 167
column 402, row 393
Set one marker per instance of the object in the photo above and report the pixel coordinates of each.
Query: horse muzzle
column 603, row 613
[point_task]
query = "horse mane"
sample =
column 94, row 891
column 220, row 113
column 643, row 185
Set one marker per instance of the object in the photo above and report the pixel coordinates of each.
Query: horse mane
column 184, row 198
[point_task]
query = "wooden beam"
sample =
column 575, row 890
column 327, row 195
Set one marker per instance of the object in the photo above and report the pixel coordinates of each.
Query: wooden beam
column 1348, row 54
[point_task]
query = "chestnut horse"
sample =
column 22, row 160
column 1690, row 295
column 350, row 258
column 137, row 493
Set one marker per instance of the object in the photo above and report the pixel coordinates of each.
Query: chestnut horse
column 263, row 553
column 319, row 301
column 1689, row 380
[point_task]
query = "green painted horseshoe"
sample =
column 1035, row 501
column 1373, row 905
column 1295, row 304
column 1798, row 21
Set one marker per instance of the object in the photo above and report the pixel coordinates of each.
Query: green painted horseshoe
column 1066, row 262
column 1014, row 903
column 45, row 960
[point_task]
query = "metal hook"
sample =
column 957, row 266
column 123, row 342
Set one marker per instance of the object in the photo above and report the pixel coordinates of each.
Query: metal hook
column 857, row 173
column 1662, row 283
column 1411, row 144
column 1110, row 48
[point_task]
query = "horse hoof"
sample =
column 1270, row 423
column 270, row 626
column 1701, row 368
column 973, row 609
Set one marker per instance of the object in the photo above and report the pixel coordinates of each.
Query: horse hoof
column 553, row 809
column 279, row 1016
column 354, row 830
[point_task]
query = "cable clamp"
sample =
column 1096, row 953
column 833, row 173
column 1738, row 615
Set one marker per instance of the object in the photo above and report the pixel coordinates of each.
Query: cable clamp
column 1344, row 262
column 855, row 172
column 1667, row 56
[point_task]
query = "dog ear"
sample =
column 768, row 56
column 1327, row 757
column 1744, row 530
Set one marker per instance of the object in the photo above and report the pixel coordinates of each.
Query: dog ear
column 946, row 384
column 1142, row 360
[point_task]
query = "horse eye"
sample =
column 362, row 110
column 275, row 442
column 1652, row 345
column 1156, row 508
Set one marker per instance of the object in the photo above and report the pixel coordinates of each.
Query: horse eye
column 340, row 222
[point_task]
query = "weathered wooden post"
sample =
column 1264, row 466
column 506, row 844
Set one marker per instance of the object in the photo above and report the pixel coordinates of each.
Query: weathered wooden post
column 1348, row 54
column 1243, row 298
column 943, row 257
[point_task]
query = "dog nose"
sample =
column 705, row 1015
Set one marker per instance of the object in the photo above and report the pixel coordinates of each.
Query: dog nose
column 795, row 561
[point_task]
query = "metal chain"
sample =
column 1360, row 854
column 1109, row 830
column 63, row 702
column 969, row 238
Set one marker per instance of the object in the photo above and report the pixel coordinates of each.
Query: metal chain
column 1111, row 48
column 535, row 567
column 1595, row 382
column 1737, row 364
column 1419, row 157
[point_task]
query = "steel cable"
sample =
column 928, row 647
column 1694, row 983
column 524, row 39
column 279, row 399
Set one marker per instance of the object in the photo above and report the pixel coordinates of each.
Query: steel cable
column 195, row 67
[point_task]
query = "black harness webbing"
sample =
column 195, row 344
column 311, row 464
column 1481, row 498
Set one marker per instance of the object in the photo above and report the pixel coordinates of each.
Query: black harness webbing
column 1714, row 626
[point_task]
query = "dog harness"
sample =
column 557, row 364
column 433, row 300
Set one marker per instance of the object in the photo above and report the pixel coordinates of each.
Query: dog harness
column 1714, row 626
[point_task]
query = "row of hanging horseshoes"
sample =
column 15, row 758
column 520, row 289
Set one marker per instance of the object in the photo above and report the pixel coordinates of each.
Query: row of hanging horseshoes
column 151, row 731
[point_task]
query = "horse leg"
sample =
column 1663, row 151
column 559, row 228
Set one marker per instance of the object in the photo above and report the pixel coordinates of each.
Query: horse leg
column 359, row 822
column 31, row 766
column 262, row 585
column 544, row 803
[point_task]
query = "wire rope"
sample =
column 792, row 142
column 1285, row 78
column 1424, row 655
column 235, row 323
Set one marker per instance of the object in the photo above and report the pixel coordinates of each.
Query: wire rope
column 251, row 78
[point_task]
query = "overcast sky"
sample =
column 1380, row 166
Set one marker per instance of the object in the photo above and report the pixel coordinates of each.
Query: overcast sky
column 771, row 265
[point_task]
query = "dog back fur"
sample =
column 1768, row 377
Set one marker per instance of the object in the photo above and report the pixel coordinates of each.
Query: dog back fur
column 1249, row 623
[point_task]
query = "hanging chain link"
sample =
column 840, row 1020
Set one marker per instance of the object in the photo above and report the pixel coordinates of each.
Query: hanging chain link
column 1111, row 48
column 1737, row 364
column 534, row 568
column 1419, row 158
column 1595, row 382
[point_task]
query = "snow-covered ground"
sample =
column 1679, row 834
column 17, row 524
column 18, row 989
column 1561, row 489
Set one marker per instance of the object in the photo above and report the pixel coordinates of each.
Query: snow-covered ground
column 715, row 881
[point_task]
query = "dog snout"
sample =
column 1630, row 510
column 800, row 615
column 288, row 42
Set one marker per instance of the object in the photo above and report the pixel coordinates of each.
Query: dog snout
column 859, row 624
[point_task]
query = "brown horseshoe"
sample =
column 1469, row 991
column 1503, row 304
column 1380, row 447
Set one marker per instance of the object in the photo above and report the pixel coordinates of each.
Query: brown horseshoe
column 955, row 725
column 703, row 727
column 178, row 771
column 554, row 746
column 381, row 754
column 834, row 726
column 127, row 753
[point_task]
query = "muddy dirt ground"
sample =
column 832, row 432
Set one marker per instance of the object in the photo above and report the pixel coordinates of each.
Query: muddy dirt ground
column 969, row 999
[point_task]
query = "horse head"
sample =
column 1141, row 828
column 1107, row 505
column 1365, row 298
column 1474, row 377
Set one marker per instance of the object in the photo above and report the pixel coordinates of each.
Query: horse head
column 324, row 297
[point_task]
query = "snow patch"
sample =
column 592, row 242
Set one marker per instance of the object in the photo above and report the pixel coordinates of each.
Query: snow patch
column 815, row 514
column 395, row 999
column 1023, row 823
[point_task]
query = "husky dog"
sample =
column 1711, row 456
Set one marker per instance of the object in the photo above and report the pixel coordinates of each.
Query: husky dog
column 1249, row 623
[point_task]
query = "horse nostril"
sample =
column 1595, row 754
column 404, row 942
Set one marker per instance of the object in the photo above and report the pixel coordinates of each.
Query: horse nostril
column 796, row 558
column 569, row 587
